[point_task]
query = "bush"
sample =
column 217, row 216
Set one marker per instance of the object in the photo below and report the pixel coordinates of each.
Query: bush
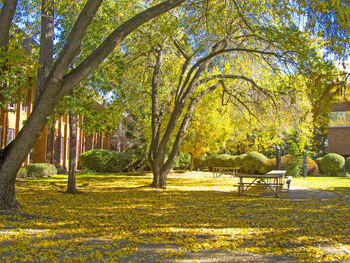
column 222, row 160
column 182, row 161
column 254, row 163
column 312, row 167
column 295, row 162
column 318, row 162
column 238, row 161
column 60, row 168
column 332, row 164
column 200, row 163
column 347, row 164
column 100, row 160
column 37, row 170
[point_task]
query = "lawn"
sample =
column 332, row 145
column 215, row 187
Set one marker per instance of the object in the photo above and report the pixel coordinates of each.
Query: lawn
column 115, row 213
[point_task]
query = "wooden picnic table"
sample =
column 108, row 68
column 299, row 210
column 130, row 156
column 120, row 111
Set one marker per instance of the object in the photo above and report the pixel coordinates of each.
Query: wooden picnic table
column 219, row 171
column 273, row 180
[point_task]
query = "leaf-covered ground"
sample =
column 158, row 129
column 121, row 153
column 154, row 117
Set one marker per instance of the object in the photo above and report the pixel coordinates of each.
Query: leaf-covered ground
column 117, row 214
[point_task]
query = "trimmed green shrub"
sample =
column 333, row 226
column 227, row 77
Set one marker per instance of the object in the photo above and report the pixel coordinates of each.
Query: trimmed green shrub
column 238, row 162
column 254, row 163
column 36, row 170
column 182, row 161
column 312, row 167
column 222, row 160
column 332, row 164
column 347, row 164
column 200, row 163
column 270, row 164
column 294, row 164
column 60, row 168
column 100, row 160
column 318, row 162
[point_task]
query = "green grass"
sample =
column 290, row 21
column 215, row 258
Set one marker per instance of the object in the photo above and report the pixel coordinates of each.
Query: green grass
column 338, row 184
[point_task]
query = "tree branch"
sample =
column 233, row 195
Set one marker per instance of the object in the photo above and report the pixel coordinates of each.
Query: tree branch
column 175, row 149
column 73, row 43
column 112, row 41
column 253, row 83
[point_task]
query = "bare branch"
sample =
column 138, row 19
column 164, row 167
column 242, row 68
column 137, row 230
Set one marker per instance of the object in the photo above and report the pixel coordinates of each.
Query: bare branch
column 254, row 84
column 180, row 49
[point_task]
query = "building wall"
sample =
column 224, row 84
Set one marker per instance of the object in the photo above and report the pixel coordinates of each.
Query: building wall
column 339, row 137
column 53, row 144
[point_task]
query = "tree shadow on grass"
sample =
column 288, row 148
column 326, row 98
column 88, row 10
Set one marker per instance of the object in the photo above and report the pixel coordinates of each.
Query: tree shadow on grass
column 191, row 218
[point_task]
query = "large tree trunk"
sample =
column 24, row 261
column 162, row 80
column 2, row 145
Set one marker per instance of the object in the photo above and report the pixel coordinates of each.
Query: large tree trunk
column 160, row 175
column 59, row 83
column 71, row 187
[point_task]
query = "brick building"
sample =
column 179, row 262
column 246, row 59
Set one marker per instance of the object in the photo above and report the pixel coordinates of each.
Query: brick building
column 339, row 129
column 53, row 144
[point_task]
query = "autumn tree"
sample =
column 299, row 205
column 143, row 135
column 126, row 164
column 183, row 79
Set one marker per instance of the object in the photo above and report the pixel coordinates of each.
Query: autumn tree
column 209, row 127
column 329, row 20
column 61, row 80
column 184, row 66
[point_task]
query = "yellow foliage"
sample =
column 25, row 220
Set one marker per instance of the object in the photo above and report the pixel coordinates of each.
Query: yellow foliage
column 115, row 214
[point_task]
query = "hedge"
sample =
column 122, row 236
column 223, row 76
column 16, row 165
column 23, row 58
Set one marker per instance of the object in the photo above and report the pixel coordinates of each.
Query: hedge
column 254, row 163
column 100, row 160
column 222, row 160
column 332, row 164
column 312, row 167
column 182, row 161
column 347, row 164
column 37, row 170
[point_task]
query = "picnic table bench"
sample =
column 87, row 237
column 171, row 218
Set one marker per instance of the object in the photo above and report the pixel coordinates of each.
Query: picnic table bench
column 273, row 180
column 219, row 171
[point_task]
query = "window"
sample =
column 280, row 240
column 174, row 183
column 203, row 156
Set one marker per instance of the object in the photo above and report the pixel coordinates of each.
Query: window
column 339, row 119
column 24, row 107
column 62, row 141
column 11, row 135
column 47, row 147
column 12, row 106
column 67, row 151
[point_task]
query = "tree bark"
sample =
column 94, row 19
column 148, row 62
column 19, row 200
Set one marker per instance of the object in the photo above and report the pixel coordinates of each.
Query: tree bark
column 51, row 146
column 46, row 47
column 58, row 84
column 191, row 163
column 71, row 187
column 7, row 12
